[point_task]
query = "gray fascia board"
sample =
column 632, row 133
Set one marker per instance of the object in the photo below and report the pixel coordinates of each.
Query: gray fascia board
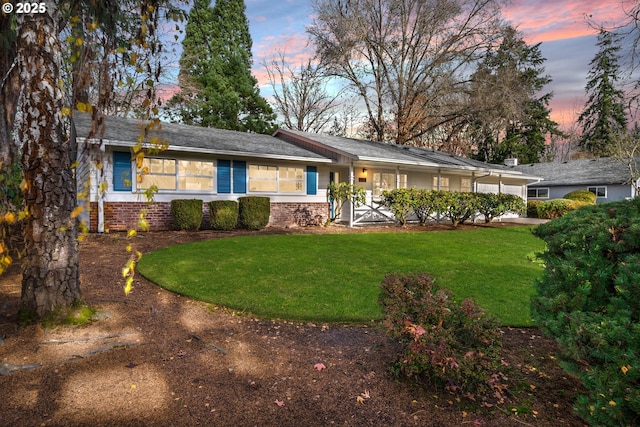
column 178, row 148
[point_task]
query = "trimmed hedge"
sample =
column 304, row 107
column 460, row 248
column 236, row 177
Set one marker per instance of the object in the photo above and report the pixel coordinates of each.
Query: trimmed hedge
column 186, row 214
column 532, row 208
column 555, row 208
column 584, row 196
column 588, row 300
column 253, row 212
column 455, row 205
column 223, row 214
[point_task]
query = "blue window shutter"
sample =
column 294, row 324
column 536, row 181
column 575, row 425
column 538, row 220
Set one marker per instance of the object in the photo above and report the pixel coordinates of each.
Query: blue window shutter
column 239, row 176
column 224, row 176
column 121, row 171
column 312, row 180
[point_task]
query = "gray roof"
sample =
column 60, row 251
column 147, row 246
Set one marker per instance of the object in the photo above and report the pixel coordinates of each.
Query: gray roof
column 602, row 171
column 125, row 132
column 363, row 150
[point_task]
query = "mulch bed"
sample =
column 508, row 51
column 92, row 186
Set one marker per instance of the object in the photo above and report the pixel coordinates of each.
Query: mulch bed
column 156, row 358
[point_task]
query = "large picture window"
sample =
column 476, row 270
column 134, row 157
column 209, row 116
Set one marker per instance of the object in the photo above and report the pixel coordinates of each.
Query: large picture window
column 171, row 174
column 274, row 179
column 291, row 180
column 441, row 183
column 387, row 181
column 195, row 175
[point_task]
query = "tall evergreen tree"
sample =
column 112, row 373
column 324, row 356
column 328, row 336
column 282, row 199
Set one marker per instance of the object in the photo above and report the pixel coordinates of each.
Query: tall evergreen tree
column 603, row 118
column 514, row 117
column 217, row 88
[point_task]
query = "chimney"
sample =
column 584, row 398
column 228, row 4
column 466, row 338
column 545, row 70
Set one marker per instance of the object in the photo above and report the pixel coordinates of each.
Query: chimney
column 511, row 162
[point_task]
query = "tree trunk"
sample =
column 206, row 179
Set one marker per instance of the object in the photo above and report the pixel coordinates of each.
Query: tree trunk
column 9, row 92
column 50, row 273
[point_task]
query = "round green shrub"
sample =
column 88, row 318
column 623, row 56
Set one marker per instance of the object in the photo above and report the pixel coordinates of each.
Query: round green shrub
column 555, row 208
column 588, row 300
column 223, row 214
column 253, row 212
column 186, row 214
column 583, row 196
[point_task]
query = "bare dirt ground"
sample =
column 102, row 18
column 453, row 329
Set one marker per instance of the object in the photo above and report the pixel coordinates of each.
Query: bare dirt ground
column 157, row 359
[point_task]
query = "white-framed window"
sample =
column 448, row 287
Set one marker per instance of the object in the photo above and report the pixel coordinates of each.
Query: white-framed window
column 387, row 181
column 195, row 175
column 538, row 193
column 173, row 174
column 600, row 192
column 274, row 179
column 291, row 180
column 465, row 185
column 158, row 172
column 443, row 181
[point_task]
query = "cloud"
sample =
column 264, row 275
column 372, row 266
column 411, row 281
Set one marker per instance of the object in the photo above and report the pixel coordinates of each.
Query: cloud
column 548, row 20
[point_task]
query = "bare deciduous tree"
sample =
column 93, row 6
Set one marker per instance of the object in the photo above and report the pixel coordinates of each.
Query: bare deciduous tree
column 301, row 96
column 406, row 59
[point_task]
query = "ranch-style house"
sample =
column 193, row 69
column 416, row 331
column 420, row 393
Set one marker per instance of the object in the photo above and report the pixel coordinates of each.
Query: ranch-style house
column 292, row 168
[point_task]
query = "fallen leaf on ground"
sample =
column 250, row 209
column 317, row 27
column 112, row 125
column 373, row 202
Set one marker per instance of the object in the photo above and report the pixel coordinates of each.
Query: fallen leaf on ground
column 280, row 403
column 360, row 399
column 319, row 366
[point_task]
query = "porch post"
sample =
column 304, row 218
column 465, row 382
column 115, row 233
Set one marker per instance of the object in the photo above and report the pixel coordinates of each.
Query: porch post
column 351, row 205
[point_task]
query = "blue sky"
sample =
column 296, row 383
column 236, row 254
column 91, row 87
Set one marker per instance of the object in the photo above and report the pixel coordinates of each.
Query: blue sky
column 568, row 43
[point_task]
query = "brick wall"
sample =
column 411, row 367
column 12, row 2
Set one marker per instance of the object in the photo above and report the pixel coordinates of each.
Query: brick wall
column 122, row 216
column 298, row 214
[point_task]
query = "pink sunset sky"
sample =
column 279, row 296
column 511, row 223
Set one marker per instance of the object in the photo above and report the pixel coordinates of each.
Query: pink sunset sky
column 568, row 42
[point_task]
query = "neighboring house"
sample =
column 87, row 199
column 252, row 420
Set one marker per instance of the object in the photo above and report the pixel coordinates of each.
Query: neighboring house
column 292, row 168
column 606, row 177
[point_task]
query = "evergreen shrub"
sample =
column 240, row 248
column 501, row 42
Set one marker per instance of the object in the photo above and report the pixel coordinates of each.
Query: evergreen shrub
column 556, row 208
column 584, row 196
column 186, row 214
column 588, row 300
column 253, row 212
column 455, row 346
column 492, row 205
column 532, row 208
column 223, row 214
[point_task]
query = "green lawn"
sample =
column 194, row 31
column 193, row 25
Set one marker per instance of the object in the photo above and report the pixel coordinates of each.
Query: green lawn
column 336, row 277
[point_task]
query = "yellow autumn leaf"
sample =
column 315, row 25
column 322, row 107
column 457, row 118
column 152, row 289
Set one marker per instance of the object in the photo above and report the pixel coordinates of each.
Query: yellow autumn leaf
column 612, row 403
column 76, row 212
column 625, row 369
column 125, row 271
column 129, row 248
column 131, row 233
column 128, row 285
column 10, row 217
column 79, row 41
column 143, row 224
column 66, row 111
